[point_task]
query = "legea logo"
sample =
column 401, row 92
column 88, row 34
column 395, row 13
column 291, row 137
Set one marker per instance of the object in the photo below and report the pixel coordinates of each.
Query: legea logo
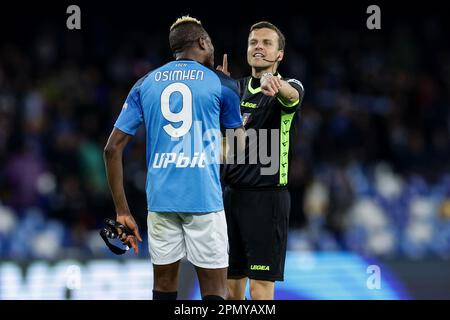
column 259, row 267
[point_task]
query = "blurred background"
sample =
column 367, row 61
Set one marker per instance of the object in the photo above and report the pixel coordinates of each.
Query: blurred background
column 370, row 179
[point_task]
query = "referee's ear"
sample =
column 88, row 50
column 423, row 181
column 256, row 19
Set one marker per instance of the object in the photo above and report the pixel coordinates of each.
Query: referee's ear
column 280, row 56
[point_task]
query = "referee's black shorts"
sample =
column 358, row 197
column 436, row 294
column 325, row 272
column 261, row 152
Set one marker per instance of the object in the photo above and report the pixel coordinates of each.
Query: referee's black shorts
column 258, row 221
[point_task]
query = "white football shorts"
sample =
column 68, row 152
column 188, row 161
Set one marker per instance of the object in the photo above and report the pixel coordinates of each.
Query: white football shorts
column 201, row 237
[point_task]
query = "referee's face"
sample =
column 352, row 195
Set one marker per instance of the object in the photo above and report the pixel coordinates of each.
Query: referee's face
column 262, row 50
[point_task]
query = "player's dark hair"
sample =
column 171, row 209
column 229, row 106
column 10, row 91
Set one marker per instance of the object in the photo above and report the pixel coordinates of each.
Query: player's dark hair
column 268, row 25
column 184, row 32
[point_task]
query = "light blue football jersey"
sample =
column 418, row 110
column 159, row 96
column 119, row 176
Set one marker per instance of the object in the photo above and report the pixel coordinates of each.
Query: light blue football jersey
column 183, row 105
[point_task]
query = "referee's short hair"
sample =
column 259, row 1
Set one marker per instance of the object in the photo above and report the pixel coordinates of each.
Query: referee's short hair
column 183, row 32
column 268, row 25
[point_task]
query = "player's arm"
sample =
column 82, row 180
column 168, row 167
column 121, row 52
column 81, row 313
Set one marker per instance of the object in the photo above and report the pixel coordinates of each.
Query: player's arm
column 224, row 150
column 230, row 114
column 129, row 120
column 114, row 170
column 239, row 135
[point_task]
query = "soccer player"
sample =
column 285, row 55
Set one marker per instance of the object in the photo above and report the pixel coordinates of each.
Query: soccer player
column 183, row 105
column 257, row 204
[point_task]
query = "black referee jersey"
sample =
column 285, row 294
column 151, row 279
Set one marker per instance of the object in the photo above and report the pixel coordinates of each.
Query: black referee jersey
column 263, row 112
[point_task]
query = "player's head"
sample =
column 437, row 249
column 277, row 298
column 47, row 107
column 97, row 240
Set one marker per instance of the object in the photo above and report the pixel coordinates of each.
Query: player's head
column 188, row 39
column 265, row 46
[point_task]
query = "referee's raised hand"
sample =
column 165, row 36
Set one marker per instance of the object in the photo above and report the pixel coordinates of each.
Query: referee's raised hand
column 224, row 66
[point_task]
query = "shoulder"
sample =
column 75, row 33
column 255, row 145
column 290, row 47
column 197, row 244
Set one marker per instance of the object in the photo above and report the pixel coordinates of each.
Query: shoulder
column 242, row 84
column 141, row 80
column 243, row 81
column 227, row 81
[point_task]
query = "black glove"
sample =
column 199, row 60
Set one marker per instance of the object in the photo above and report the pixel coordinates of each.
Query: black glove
column 115, row 230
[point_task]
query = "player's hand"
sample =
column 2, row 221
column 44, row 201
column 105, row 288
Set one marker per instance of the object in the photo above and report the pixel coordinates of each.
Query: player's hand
column 224, row 66
column 130, row 240
column 270, row 84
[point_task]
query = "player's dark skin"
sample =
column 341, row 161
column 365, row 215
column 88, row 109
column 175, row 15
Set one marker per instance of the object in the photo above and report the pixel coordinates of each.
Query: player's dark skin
column 212, row 281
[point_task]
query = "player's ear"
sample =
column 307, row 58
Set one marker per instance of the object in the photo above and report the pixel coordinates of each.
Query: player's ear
column 202, row 43
column 280, row 55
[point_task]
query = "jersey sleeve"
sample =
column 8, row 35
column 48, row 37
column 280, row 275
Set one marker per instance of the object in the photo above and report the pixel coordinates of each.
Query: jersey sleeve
column 131, row 116
column 230, row 110
column 297, row 85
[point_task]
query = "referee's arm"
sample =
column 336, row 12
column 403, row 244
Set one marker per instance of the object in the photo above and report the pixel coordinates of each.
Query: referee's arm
column 288, row 94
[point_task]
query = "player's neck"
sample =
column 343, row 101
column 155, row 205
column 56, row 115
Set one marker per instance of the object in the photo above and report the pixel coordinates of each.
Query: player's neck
column 257, row 73
column 189, row 56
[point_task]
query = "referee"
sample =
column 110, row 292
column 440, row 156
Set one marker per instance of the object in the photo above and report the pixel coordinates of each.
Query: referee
column 257, row 204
